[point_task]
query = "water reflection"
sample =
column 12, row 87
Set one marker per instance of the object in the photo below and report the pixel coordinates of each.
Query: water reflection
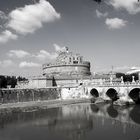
column 135, row 114
column 94, row 108
column 73, row 122
column 112, row 112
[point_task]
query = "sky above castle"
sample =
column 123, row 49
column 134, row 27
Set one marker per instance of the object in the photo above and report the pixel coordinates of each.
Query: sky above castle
column 33, row 31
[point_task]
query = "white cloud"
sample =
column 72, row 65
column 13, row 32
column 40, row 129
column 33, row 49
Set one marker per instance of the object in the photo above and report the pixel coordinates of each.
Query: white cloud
column 25, row 64
column 132, row 6
column 31, row 17
column 115, row 23
column 59, row 48
column 27, row 19
column 6, row 63
column 6, row 36
column 43, row 55
column 18, row 53
column 100, row 14
column 3, row 15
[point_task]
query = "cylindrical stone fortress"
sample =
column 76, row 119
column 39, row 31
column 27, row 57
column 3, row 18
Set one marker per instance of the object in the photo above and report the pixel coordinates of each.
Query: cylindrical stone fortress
column 67, row 65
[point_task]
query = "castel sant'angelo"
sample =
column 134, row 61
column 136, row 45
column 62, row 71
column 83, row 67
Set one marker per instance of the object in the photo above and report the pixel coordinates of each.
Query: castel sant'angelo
column 68, row 68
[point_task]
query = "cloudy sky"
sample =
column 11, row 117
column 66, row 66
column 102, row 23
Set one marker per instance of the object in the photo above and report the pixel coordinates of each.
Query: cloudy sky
column 32, row 31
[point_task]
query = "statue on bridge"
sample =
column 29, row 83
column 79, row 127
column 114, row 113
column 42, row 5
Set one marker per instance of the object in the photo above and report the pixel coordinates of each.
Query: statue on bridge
column 133, row 79
column 111, row 79
column 122, row 81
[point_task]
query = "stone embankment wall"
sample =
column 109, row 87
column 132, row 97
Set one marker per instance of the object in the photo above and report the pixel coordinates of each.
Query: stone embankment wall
column 74, row 93
column 26, row 95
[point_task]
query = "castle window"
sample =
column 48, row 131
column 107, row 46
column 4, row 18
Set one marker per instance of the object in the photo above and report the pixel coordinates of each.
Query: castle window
column 70, row 59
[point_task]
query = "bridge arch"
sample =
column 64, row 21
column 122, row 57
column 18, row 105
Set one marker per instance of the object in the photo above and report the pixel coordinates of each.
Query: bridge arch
column 112, row 94
column 94, row 92
column 134, row 94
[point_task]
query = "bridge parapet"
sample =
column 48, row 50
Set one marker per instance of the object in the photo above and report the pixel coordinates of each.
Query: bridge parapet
column 112, row 84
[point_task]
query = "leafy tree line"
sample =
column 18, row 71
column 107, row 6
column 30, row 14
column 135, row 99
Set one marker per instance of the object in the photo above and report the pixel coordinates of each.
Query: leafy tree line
column 11, row 81
column 128, row 77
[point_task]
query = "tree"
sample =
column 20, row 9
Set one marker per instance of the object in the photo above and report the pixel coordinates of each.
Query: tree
column 13, row 82
column 3, row 82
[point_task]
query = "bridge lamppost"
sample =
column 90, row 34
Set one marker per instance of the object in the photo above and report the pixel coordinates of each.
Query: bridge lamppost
column 122, row 82
column 111, row 79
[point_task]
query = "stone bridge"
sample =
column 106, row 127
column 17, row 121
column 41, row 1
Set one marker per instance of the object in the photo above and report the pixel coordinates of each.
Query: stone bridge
column 129, row 92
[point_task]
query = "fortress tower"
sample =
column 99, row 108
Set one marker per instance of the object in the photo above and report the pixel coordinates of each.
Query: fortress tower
column 67, row 66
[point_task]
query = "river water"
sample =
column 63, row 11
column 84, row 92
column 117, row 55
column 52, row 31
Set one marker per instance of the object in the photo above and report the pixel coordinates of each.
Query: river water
column 73, row 122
